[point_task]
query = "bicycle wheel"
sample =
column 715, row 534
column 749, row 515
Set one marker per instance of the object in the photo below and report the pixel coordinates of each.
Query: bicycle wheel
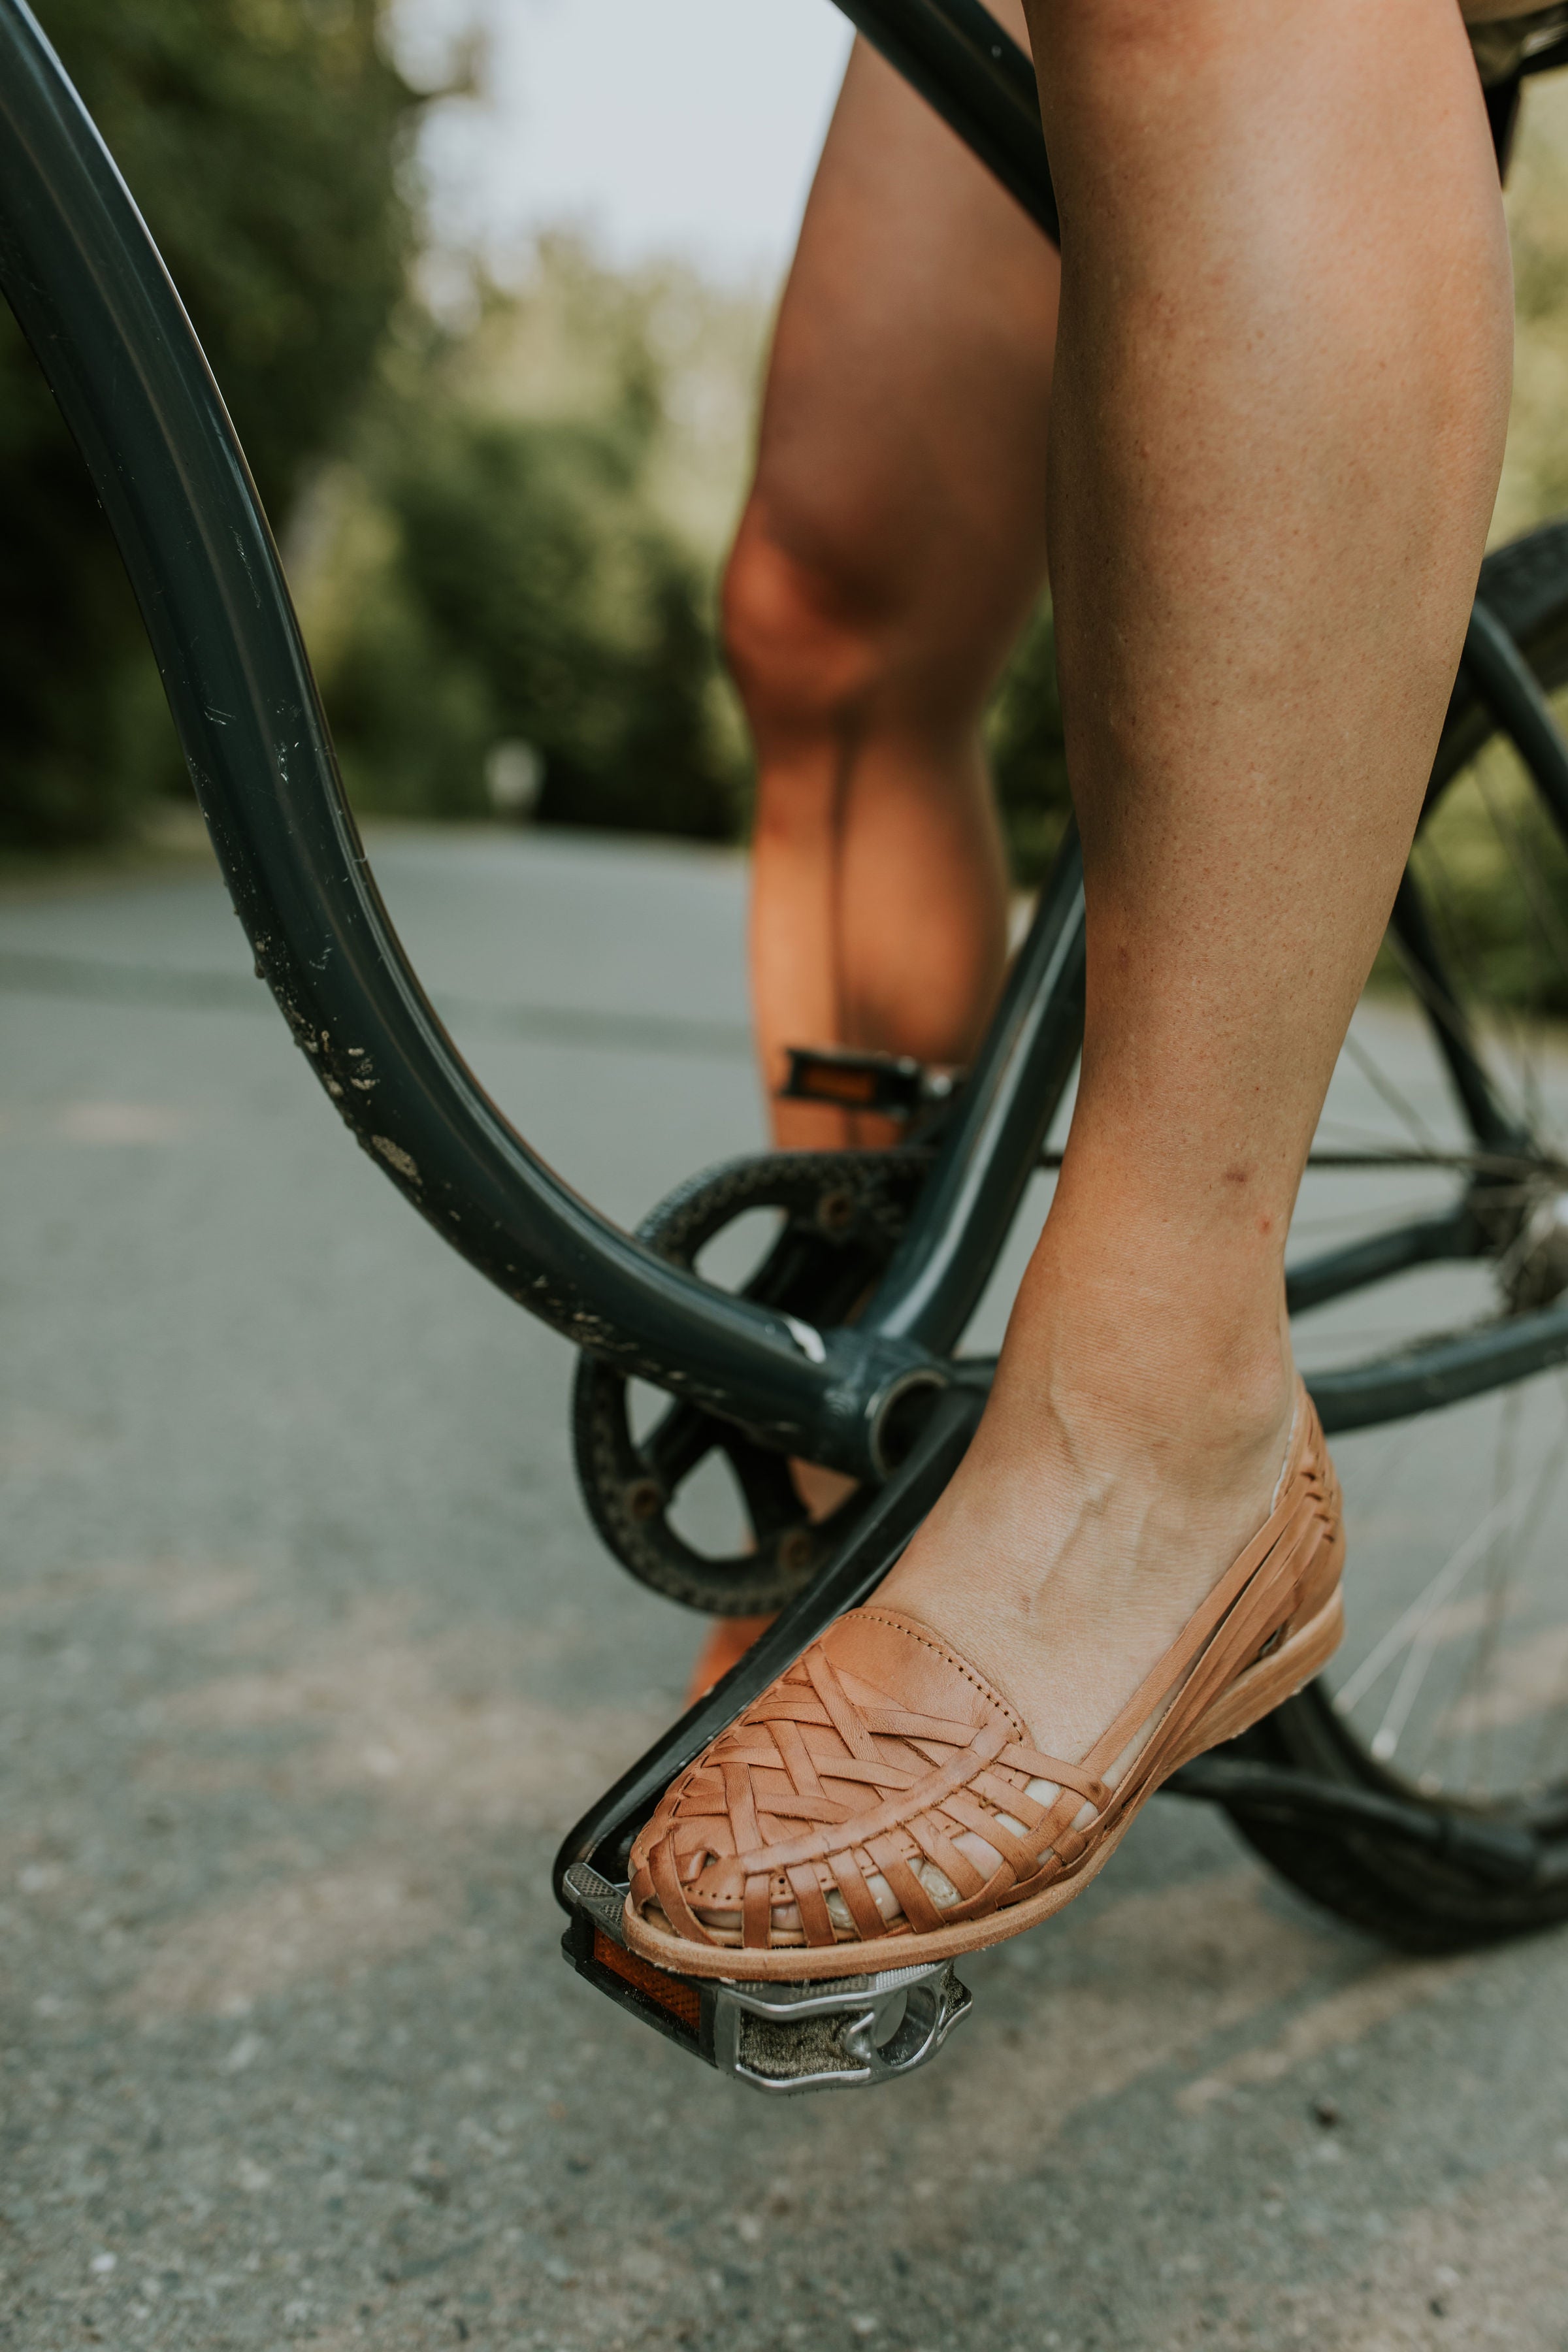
column 1451, row 1690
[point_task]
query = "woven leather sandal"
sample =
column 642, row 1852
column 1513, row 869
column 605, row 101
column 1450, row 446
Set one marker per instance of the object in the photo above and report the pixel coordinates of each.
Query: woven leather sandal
column 826, row 1819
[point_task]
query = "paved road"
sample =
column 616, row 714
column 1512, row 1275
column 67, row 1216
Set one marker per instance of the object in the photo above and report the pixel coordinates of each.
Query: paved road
column 306, row 1656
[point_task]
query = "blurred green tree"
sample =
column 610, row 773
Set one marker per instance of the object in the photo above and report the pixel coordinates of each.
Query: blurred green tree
column 509, row 579
column 266, row 145
column 1028, row 755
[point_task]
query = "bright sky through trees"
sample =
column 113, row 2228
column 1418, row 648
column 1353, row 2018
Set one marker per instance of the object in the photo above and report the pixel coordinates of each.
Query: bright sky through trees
column 687, row 126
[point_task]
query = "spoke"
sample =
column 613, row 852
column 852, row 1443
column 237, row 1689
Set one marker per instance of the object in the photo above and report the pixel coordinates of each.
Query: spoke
column 1438, row 1007
column 1550, row 1738
column 1348, row 1343
column 1393, row 1455
column 1408, row 1626
column 1501, row 1163
column 1475, row 1158
column 1403, row 1212
column 1527, row 870
column 1344, row 1126
column 1348, row 1162
column 1384, row 1087
column 1553, row 1737
column 1407, row 1689
column 1511, row 1545
column 672, row 1449
column 1482, row 1723
column 1507, row 1021
column 1501, row 1553
column 1458, row 1676
column 1422, row 1624
column 1546, row 919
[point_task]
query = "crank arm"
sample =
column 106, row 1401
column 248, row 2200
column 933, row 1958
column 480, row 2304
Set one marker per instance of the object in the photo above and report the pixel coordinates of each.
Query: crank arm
column 604, row 1836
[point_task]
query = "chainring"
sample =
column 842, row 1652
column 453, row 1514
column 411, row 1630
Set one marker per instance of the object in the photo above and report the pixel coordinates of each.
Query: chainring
column 843, row 1213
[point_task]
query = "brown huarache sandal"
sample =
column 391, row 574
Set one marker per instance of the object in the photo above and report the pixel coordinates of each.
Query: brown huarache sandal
column 854, row 1775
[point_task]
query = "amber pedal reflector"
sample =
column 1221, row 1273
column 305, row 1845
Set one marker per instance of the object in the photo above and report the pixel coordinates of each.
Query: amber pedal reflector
column 682, row 2000
column 821, row 1082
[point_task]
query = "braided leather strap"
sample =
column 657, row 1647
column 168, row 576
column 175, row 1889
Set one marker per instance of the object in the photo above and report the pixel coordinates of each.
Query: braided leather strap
column 855, row 1774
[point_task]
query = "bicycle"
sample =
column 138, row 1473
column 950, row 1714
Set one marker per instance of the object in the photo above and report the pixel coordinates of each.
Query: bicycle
column 1423, row 1790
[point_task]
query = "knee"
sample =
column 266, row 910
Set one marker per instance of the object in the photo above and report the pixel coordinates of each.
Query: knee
column 805, row 652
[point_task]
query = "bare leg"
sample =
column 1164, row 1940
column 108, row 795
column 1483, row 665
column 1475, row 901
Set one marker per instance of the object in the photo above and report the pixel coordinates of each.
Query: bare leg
column 891, row 547
column 1281, row 392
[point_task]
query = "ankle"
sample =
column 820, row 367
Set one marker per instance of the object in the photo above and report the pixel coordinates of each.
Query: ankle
column 1112, row 1370
column 1200, row 1427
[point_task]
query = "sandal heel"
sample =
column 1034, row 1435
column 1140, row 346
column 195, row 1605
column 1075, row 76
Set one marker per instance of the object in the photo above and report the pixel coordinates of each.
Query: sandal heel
column 1271, row 1681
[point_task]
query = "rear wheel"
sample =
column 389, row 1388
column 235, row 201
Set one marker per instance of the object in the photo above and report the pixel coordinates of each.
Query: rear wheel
column 1451, row 1690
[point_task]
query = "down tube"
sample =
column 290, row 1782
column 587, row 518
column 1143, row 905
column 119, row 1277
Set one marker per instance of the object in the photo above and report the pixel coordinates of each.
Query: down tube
column 97, row 306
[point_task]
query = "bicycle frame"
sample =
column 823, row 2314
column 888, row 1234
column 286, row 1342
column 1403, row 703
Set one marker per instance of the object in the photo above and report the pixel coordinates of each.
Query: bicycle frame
column 93, row 299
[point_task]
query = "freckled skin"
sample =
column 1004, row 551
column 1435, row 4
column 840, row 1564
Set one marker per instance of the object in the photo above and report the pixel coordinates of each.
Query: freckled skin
column 1277, row 370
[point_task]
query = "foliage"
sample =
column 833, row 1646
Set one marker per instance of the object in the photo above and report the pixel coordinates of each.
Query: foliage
column 519, row 585
column 1494, row 873
column 264, row 140
column 568, row 335
column 1028, row 757
column 503, row 519
column 1535, row 473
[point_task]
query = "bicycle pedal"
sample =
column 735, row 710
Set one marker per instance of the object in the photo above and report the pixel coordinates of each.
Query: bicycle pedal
column 893, row 1085
column 783, row 2038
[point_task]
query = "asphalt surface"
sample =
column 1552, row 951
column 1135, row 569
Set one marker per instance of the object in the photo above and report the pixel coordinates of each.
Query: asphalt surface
column 307, row 1655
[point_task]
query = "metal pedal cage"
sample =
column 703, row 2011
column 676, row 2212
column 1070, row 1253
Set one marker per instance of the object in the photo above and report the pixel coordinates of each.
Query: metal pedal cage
column 92, row 297
column 779, row 2038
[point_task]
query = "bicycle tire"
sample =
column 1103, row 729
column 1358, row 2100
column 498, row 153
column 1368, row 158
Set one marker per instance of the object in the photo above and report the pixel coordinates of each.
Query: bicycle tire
column 1416, row 1901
